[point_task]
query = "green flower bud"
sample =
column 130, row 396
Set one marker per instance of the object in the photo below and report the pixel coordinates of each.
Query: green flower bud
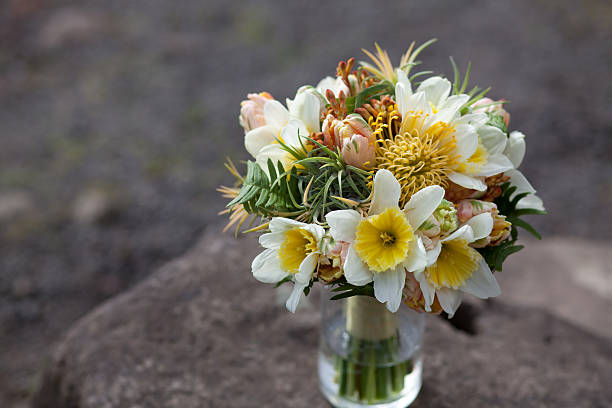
column 446, row 215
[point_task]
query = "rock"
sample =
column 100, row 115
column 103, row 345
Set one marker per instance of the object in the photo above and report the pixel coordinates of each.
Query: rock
column 70, row 25
column 14, row 203
column 200, row 332
column 571, row 278
column 95, row 205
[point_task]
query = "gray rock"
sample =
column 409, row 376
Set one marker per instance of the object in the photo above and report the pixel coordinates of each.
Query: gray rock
column 95, row 205
column 70, row 25
column 14, row 203
column 200, row 332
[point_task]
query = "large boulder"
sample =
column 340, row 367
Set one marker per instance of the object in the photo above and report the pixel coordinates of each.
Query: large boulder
column 201, row 332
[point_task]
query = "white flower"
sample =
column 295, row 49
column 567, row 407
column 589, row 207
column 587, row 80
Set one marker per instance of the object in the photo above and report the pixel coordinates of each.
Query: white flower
column 384, row 244
column 292, row 250
column 334, row 84
column 515, row 151
column 471, row 150
column 454, row 268
column 288, row 126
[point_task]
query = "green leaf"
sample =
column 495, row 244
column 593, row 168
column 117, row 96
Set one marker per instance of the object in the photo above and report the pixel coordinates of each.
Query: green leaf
column 284, row 280
column 372, row 91
column 523, row 224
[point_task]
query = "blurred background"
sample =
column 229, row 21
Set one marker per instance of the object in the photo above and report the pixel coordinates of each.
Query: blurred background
column 116, row 117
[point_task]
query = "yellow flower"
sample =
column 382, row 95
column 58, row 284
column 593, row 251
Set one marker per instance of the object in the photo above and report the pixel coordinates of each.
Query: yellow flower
column 383, row 244
column 292, row 250
column 454, row 268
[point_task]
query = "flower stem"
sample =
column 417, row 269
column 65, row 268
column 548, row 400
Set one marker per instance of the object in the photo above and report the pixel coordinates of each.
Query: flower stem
column 371, row 371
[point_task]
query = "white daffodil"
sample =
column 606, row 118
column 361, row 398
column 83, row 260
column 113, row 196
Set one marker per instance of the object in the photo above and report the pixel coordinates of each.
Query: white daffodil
column 292, row 250
column 466, row 149
column 453, row 267
column 286, row 125
column 384, row 244
column 515, row 151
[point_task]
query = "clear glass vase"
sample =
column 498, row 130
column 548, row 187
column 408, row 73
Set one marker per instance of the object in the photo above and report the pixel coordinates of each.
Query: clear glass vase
column 368, row 356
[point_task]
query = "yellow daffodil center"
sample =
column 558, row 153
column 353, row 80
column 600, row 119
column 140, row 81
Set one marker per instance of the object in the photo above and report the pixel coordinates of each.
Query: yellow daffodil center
column 383, row 240
column 474, row 163
column 455, row 265
column 417, row 157
column 298, row 244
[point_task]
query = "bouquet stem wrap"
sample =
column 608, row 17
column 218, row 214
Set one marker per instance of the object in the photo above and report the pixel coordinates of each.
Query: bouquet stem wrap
column 373, row 370
column 368, row 319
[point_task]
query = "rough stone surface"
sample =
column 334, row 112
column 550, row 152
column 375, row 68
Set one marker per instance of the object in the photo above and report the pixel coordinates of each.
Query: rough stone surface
column 143, row 96
column 200, row 332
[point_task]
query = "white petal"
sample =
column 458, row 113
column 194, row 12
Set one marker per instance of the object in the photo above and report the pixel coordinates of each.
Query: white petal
column 307, row 267
column 467, row 141
column 276, row 114
column 515, row 148
column 432, row 256
column 450, row 109
column 275, row 153
column 475, row 119
column 482, row 284
column 531, row 201
column 355, row 271
column 415, row 103
column 292, row 133
column 522, row 186
column 305, row 107
column 386, row 193
column 481, row 225
column 493, row 139
column 266, row 267
column 436, row 90
column 401, row 96
column 258, row 138
column 272, row 240
column 449, row 300
column 467, row 181
column 316, row 230
column 428, row 291
column 465, row 232
column 417, row 256
column 496, row 163
column 343, row 224
column 295, row 297
column 334, row 84
column 422, row 204
column 388, row 287
column 280, row 224
column 402, row 78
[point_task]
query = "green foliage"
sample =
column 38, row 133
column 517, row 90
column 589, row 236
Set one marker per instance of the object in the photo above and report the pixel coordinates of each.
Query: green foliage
column 497, row 121
column 346, row 290
column 506, row 204
column 306, row 192
column 460, row 86
column 412, row 61
column 268, row 196
column 495, row 256
column 374, row 91
column 327, row 177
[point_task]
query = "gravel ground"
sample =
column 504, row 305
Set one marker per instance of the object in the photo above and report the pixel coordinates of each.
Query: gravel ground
column 115, row 118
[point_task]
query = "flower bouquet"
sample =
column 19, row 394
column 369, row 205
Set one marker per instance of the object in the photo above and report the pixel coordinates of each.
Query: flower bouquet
column 387, row 186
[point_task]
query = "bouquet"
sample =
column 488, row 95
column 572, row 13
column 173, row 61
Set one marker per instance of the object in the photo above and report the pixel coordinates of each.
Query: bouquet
column 386, row 184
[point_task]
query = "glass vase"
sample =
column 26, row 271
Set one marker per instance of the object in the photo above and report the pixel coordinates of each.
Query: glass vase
column 368, row 356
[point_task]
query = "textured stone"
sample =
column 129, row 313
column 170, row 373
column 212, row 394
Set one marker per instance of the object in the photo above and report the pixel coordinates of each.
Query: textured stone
column 200, row 332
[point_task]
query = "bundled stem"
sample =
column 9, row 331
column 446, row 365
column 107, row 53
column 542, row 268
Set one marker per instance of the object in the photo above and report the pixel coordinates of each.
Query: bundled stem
column 371, row 372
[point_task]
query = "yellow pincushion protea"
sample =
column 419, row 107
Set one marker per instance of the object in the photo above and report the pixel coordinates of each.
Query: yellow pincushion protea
column 383, row 245
column 434, row 144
